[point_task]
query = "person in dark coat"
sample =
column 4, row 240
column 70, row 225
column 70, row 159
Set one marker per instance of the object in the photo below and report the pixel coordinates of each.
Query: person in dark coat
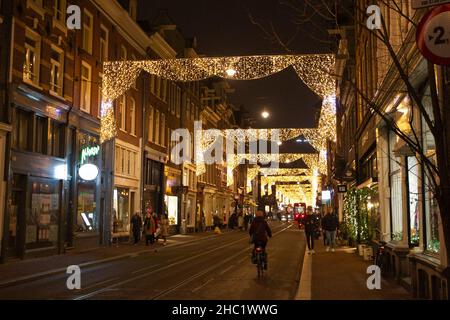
column 330, row 224
column 136, row 225
column 232, row 222
column 310, row 228
column 260, row 232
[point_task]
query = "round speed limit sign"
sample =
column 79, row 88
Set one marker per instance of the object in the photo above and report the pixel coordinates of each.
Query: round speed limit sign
column 433, row 35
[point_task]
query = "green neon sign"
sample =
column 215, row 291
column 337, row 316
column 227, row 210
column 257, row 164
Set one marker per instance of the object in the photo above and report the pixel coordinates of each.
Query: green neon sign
column 87, row 152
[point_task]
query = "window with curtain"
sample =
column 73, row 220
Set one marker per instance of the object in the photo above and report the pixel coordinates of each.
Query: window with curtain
column 133, row 116
column 86, row 84
column 88, row 27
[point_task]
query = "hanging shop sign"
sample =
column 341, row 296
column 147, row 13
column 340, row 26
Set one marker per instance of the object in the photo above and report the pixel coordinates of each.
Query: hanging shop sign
column 433, row 35
column 88, row 171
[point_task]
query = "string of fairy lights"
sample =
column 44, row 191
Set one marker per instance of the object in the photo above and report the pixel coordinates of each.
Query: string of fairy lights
column 315, row 70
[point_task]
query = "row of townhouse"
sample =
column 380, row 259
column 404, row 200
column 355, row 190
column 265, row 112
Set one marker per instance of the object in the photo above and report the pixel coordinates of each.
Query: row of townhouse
column 368, row 153
column 50, row 113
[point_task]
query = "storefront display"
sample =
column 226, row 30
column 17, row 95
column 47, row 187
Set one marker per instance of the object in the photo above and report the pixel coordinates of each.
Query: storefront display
column 171, row 203
column 121, row 210
column 42, row 223
column 87, row 217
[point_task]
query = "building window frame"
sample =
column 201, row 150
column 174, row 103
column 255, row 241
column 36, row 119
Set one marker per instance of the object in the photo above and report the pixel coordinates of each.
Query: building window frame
column 57, row 66
column 86, row 87
column 88, row 31
column 104, row 44
column 150, row 124
column 31, row 66
column 122, row 112
column 133, row 117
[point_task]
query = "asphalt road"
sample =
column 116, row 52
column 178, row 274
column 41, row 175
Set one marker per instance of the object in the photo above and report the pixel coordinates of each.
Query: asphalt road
column 214, row 268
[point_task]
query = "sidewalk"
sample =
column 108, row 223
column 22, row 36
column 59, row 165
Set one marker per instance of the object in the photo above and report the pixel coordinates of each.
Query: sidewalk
column 17, row 271
column 342, row 275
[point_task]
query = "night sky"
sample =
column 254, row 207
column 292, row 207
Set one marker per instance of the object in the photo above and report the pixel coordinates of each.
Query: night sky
column 224, row 28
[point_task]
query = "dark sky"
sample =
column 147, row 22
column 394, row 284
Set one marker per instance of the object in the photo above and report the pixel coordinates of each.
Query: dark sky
column 223, row 28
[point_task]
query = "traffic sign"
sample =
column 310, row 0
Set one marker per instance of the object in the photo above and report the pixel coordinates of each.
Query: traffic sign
column 433, row 35
column 417, row 4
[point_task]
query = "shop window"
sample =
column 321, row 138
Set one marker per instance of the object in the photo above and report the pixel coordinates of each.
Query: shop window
column 171, row 203
column 87, row 217
column 121, row 210
column 42, row 223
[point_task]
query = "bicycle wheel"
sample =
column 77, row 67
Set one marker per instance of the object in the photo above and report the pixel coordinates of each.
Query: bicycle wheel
column 259, row 265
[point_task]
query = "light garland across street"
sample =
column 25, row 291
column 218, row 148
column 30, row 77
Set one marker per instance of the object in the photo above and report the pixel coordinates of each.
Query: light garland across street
column 315, row 70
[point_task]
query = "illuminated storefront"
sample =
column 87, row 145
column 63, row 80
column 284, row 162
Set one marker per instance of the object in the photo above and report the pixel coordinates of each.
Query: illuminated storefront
column 87, row 216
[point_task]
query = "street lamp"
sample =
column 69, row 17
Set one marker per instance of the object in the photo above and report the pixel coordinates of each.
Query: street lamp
column 230, row 72
column 265, row 114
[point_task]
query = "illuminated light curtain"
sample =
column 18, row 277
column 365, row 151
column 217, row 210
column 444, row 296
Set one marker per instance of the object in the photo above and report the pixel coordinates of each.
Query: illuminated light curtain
column 275, row 179
column 252, row 173
column 286, row 172
column 314, row 70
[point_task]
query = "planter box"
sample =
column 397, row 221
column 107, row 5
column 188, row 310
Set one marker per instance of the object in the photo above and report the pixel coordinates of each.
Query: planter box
column 361, row 248
column 368, row 253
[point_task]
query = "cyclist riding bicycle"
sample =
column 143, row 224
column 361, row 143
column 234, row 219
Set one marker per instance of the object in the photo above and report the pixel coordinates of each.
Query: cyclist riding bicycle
column 259, row 233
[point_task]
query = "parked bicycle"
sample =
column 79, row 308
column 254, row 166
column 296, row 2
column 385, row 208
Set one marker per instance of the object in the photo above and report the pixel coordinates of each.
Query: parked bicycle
column 380, row 255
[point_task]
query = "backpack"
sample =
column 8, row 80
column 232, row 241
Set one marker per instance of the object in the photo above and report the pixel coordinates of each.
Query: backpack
column 259, row 231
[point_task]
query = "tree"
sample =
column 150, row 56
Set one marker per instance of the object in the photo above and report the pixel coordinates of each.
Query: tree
column 437, row 166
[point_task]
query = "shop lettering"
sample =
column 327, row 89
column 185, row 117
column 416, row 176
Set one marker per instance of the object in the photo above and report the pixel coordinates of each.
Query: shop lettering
column 89, row 152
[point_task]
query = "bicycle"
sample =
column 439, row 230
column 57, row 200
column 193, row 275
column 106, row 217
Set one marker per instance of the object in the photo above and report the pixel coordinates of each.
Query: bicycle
column 260, row 260
column 379, row 257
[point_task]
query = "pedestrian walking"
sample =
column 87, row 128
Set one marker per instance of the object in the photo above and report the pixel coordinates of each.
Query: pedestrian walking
column 149, row 227
column 164, row 226
column 247, row 221
column 232, row 221
column 157, row 228
column 330, row 224
column 310, row 227
column 136, row 225
column 240, row 222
